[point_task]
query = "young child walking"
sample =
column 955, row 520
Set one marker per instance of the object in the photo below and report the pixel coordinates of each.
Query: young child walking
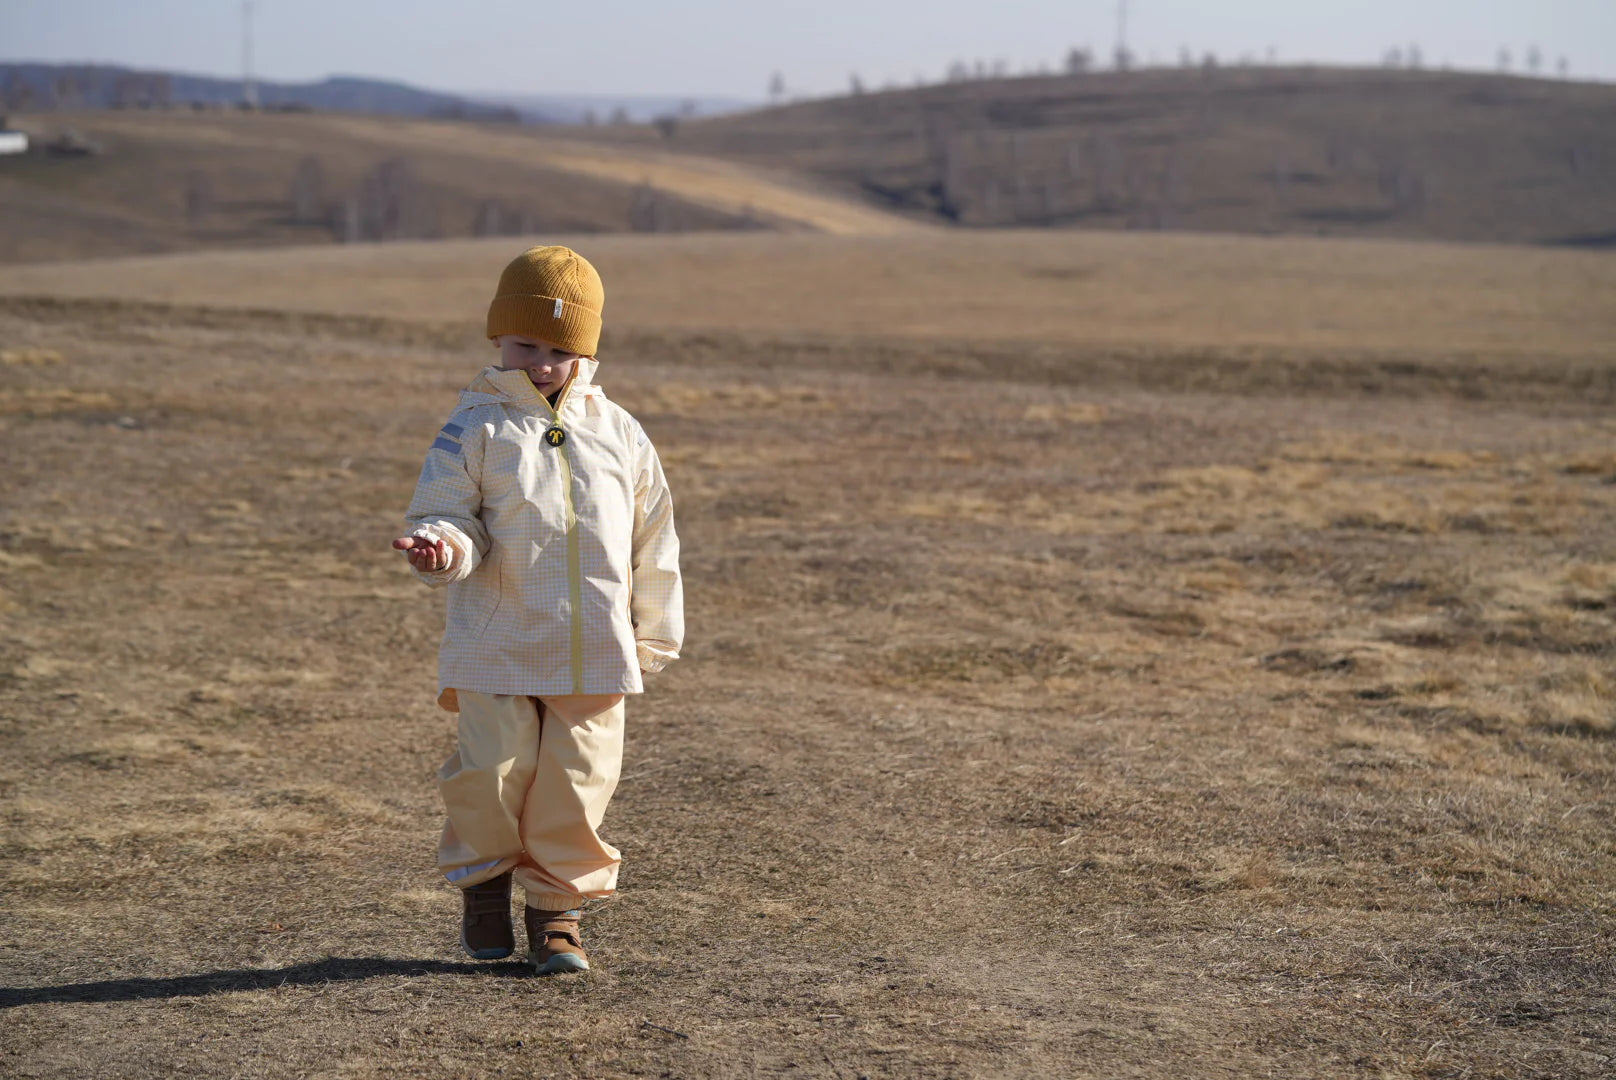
column 543, row 507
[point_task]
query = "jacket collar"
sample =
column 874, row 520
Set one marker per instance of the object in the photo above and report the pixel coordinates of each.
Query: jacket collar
column 496, row 384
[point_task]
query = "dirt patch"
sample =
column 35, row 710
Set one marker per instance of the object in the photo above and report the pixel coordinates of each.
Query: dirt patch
column 1110, row 723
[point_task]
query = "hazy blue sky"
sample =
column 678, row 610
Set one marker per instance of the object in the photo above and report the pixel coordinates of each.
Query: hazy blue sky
column 730, row 47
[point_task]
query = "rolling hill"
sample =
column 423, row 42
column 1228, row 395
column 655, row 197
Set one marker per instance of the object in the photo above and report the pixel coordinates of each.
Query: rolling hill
column 1403, row 153
column 29, row 86
column 178, row 180
column 1378, row 154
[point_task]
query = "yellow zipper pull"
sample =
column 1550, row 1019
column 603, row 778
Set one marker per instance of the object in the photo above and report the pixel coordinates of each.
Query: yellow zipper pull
column 555, row 435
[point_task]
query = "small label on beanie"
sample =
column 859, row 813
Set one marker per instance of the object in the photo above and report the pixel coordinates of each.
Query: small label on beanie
column 559, row 305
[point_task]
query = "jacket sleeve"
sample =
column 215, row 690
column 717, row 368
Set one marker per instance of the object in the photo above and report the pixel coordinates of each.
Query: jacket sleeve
column 448, row 500
column 657, row 602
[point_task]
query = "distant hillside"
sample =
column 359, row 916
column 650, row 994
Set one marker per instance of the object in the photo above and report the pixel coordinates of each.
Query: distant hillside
column 26, row 87
column 174, row 180
column 609, row 108
column 1250, row 150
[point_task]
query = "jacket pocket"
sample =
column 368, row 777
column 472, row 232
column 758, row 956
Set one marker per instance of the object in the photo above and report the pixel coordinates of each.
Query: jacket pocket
column 493, row 608
column 472, row 611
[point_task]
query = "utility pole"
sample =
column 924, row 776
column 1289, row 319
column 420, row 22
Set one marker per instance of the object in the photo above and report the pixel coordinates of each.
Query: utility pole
column 1123, row 57
column 249, row 89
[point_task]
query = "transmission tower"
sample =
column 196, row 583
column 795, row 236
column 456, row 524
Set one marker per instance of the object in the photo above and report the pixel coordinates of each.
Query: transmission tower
column 1123, row 57
column 249, row 88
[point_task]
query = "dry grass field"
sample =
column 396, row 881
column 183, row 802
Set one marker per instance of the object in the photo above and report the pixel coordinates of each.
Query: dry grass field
column 1256, row 149
column 178, row 181
column 1206, row 666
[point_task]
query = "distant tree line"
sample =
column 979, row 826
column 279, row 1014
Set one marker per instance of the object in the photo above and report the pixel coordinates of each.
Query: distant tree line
column 28, row 87
column 1082, row 60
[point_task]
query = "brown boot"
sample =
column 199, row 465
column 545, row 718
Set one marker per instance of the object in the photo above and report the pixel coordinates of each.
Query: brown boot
column 485, row 920
column 553, row 943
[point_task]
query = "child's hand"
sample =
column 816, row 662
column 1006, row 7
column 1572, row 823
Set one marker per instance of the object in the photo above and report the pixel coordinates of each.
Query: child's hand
column 423, row 554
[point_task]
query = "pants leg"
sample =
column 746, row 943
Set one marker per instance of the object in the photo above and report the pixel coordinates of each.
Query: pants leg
column 580, row 756
column 484, row 786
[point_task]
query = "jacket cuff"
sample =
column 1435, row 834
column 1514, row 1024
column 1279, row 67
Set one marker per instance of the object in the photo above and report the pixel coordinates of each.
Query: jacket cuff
column 444, row 574
column 654, row 658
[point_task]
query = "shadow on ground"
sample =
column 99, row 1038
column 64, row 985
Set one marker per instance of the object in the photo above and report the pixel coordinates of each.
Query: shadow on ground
column 334, row 969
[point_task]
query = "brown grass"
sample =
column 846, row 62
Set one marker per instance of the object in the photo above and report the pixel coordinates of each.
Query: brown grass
column 1421, row 154
column 1095, row 719
column 1201, row 312
column 136, row 196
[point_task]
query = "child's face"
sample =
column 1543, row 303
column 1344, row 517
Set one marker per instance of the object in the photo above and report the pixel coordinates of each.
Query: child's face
column 547, row 366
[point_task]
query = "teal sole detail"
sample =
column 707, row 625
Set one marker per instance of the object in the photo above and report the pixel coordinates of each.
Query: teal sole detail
column 562, row 963
column 497, row 953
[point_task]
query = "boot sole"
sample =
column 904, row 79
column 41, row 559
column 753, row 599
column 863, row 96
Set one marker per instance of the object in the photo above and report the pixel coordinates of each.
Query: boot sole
column 496, row 953
column 561, row 963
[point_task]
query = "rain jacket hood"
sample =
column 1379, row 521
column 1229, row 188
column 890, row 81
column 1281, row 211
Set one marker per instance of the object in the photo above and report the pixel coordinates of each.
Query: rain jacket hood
column 565, row 570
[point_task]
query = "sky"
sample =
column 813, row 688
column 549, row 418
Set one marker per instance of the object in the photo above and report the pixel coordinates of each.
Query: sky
column 731, row 48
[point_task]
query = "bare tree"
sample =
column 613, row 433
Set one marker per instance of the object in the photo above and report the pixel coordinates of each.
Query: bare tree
column 667, row 125
column 1393, row 57
column 1122, row 58
column 494, row 218
column 1186, row 58
column 198, row 197
column 308, row 190
column 1534, row 59
column 1079, row 61
column 66, row 88
column 1403, row 187
column 345, row 224
column 777, row 86
column 619, row 116
column 16, row 95
column 1564, row 67
column 1414, row 58
column 855, row 84
column 390, row 204
column 1504, row 59
column 646, row 212
column 1282, row 178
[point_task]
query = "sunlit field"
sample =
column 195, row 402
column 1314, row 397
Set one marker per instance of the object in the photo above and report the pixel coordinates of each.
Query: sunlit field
column 1109, row 656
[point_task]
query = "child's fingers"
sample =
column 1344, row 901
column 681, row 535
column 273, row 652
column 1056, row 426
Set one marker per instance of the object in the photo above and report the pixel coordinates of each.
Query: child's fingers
column 425, row 555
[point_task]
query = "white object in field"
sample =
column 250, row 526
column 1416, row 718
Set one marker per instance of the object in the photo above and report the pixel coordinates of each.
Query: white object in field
column 13, row 142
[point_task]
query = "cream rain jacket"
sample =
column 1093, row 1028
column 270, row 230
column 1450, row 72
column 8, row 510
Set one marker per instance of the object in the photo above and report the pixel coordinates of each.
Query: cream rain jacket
column 565, row 570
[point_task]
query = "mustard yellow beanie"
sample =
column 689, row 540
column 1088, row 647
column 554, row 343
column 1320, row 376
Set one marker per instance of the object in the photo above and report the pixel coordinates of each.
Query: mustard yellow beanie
column 552, row 294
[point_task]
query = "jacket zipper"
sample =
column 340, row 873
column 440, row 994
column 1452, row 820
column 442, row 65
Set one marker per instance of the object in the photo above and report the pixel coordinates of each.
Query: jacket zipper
column 575, row 572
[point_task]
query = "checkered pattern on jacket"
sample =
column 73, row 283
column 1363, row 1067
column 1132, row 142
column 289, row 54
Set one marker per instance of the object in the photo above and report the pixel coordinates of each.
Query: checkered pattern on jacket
column 491, row 488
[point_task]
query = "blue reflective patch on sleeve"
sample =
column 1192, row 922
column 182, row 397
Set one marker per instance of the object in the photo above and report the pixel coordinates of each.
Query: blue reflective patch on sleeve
column 454, row 430
column 446, row 444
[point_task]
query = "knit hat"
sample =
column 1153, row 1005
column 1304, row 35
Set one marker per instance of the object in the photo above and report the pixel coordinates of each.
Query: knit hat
column 550, row 294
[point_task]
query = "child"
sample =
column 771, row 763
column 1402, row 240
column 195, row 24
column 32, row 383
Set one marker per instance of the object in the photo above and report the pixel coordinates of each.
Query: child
column 544, row 509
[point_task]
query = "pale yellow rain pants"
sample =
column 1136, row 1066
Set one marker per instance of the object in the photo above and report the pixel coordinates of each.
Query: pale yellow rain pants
column 526, row 791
